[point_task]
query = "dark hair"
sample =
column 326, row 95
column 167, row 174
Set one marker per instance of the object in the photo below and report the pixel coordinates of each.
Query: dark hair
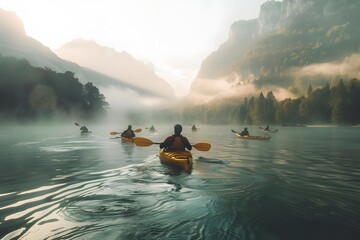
column 177, row 129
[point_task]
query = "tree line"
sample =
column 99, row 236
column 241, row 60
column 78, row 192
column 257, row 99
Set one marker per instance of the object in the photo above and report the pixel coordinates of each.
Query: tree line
column 338, row 104
column 28, row 92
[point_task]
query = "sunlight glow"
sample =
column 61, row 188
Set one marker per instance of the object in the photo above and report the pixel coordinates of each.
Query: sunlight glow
column 169, row 32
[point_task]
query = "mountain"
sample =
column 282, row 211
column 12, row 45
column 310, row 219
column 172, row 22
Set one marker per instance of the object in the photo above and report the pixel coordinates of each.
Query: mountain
column 15, row 43
column 290, row 45
column 115, row 64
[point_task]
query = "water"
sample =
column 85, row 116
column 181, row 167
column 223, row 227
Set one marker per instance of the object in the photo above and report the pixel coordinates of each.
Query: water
column 57, row 184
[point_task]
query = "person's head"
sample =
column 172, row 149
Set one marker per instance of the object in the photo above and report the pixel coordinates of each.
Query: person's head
column 129, row 127
column 245, row 129
column 177, row 129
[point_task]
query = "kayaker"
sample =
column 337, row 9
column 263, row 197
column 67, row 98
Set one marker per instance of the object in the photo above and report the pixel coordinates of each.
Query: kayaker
column 128, row 133
column 245, row 132
column 194, row 128
column 176, row 142
column 84, row 129
column 267, row 128
column 152, row 128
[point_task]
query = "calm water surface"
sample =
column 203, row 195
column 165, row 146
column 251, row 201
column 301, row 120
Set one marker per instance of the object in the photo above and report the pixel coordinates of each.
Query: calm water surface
column 302, row 184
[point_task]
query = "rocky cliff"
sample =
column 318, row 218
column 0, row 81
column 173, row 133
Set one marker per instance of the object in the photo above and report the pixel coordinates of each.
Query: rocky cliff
column 288, row 37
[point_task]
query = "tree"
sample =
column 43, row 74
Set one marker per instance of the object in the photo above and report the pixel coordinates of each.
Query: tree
column 94, row 100
column 338, row 103
column 270, row 107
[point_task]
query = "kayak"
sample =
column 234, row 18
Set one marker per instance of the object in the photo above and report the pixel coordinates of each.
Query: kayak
column 179, row 159
column 268, row 130
column 250, row 137
column 127, row 140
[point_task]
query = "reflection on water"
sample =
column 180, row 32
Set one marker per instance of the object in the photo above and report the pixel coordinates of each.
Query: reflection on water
column 302, row 184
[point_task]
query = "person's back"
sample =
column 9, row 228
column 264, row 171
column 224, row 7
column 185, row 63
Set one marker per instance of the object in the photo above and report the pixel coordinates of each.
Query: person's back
column 128, row 133
column 84, row 129
column 176, row 142
column 245, row 132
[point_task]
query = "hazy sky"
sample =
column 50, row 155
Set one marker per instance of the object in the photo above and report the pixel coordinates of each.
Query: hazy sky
column 175, row 35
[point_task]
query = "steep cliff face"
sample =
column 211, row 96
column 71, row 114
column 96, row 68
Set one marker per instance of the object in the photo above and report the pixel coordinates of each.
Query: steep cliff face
column 220, row 62
column 269, row 16
column 287, row 37
column 291, row 9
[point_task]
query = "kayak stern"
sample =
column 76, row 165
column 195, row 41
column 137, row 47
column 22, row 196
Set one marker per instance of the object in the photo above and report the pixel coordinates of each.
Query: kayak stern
column 178, row 159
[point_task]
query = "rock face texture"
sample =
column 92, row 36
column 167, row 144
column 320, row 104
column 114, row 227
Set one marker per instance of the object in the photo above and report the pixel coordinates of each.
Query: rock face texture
column 287, row 38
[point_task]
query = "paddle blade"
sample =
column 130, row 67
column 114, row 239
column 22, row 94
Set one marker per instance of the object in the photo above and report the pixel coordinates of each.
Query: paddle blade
column 138, row 130
column 114, row 133
column 77, row 124
column 232, row 130
column 202, row 146
column 143, row 142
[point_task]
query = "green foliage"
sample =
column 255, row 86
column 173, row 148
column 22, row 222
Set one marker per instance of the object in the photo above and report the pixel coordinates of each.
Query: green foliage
column 339, row 104
column 27, row 92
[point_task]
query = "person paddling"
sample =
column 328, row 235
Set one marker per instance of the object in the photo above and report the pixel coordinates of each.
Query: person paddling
column 84, row 129
column 128, row 133
column 176, row 142
column 245, row 132
column 152, row 128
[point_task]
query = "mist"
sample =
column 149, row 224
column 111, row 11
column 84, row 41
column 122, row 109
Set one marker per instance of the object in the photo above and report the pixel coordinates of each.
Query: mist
column 318, row 74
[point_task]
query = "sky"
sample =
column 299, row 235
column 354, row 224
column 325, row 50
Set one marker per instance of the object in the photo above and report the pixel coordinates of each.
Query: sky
column 174, row 35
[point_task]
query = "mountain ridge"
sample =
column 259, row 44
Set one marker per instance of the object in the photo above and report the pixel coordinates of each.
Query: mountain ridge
column 287, row 38
column 120, row 65
column 15, row 43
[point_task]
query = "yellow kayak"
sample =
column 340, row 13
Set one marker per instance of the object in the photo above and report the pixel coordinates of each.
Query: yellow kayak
column 250, row 137
column 179, row 159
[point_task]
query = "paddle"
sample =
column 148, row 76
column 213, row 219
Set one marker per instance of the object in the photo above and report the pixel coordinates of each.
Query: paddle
column 269, row 130
column 136, row 130
column 77, row 124
column 145, row 142
column 232, row 130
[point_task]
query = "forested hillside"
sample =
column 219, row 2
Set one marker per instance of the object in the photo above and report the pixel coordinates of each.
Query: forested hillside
column 28, row 92
column 336, row 104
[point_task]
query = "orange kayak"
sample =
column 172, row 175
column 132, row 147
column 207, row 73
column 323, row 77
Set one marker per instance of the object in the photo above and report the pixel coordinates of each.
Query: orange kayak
column 179, row 159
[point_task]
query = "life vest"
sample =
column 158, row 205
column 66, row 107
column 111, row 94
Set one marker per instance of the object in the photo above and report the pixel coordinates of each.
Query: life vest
column 128, row 134
column 177, row 143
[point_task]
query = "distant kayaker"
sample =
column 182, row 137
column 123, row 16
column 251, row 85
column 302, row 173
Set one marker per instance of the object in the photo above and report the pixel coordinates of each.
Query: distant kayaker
column 152, row 128
column 245, row 132
column 84, row 129
column 176, row 142
column 267, row 128
column 128, row 133
column 194, row 128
